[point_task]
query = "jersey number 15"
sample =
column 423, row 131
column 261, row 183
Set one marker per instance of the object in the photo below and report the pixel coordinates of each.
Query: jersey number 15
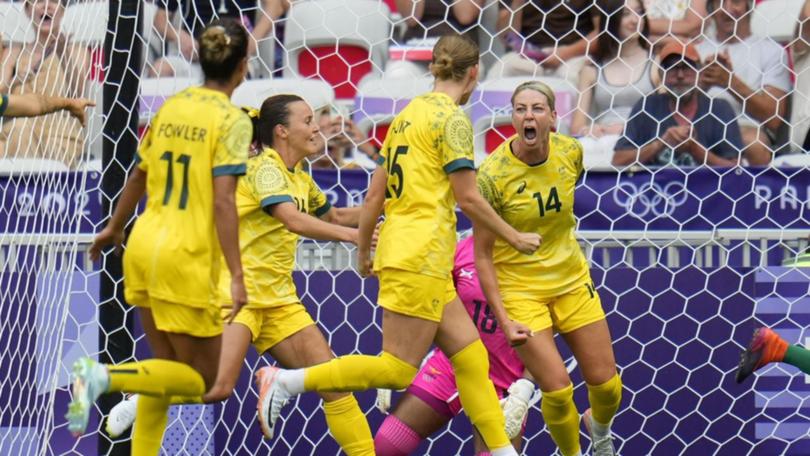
column 395, row 169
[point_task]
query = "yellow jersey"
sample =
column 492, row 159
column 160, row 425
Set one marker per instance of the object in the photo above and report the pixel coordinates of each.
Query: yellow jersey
column 3, row 104
column 429, row 139
column 196, row 136
column 536, row 199
column 268, row 247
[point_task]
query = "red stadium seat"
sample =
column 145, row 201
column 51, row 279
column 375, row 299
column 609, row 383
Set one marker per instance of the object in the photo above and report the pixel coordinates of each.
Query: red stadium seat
column 341, row 66
column 496, row 135
column 338, row 41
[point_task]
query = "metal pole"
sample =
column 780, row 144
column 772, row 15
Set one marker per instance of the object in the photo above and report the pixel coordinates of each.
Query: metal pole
column 122, row 63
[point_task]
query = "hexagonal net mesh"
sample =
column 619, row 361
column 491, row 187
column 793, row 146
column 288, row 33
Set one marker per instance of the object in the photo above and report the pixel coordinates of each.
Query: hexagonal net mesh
column 693, row 196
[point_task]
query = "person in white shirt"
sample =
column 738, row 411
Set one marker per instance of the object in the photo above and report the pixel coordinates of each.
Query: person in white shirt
column 750, row 72
column 800, row 106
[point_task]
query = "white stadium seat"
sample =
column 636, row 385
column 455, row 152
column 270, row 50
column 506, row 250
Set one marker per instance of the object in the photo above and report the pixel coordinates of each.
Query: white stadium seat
column 253, row 92
column 776, row 19
column 340, row 41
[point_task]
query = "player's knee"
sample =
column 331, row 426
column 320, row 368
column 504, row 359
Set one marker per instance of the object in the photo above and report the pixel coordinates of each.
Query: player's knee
column 219, row 392
column 608, row 392
column 471, row 360
column 559, row 397
column 398, row 373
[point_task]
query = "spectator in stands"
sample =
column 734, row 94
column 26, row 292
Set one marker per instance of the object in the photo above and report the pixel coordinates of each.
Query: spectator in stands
column 680, row 126
column 749, row 72
column 344, row 145
column 51, row 65
column 430, row 19
column 547, row 37
column 680, row 19
column 619, row 73
column 800, row 106
column 257, row 17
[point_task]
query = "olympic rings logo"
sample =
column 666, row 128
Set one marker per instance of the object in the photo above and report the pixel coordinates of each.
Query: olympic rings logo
column 650, row 198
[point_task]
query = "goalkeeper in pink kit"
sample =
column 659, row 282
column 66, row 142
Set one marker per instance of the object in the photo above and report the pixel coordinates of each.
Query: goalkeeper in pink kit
column 432, row 399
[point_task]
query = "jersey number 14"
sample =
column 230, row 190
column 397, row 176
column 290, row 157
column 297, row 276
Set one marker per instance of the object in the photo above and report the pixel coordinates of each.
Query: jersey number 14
column 552, row 202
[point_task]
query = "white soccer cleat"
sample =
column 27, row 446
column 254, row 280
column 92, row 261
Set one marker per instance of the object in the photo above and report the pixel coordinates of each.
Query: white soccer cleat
column 600, row 445
column 122, row 416
column 383, row 402
column 272, row 398
column 516, row 405
column 90, row 380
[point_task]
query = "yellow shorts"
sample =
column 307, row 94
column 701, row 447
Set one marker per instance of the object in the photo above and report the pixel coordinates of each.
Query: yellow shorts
column 269, row 326
column 567, row 312
column 413, row 294
column 182, row 319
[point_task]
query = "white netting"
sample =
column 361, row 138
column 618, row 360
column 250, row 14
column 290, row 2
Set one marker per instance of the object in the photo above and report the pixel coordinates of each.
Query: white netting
column 684, row 255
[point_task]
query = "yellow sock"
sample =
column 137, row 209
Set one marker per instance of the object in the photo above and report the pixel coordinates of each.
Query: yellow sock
column 185, row 400
column 359, row 373
column 477, row 394
column 349, row 426
column 149, row 427
column 605, row 399
column 156, row 377
column 562, row 419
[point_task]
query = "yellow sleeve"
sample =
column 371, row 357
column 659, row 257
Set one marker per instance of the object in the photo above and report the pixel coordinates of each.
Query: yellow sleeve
column 488, row 186
column 269, row 185
column 143, row 150
column 457, row 146
column 318, row 203
column 578, row 156
column 231, row 153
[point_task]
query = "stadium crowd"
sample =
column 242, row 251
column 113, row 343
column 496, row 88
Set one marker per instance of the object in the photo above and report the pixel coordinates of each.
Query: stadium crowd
column 656, row 82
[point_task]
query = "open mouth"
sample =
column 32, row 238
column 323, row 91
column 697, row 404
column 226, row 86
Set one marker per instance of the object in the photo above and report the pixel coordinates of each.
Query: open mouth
column 529, row 132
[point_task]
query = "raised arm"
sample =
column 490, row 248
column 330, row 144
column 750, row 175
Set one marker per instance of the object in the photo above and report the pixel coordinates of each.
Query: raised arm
column 30, row 105
column 480, row 212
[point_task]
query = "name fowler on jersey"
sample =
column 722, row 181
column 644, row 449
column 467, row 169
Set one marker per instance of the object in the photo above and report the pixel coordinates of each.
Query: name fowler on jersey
column 186, row 132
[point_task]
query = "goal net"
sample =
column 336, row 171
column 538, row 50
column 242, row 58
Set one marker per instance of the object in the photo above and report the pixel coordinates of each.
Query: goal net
column 687, row 257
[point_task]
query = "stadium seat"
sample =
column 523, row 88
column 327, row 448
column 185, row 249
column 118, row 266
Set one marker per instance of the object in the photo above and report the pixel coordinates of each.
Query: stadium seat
column 252, row 93
column 15, row 24
column 800, row 160
column 30, row 165
column 776, row 19
column 339, row 41
column 154, row 91
column 86, row 22
column 379, row 100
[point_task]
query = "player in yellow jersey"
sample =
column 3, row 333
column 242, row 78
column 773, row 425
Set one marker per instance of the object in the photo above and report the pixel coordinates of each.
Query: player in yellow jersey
column 529, row 180
column 428, row 167
column 188, row 166
column 277, row 201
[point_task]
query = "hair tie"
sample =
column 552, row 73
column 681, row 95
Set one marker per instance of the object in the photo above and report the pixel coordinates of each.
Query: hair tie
column 224, row 32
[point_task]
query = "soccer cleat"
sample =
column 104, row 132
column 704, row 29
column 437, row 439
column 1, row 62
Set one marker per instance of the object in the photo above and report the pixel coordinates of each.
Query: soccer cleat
column 516, row 405
column 765, row 347
column 122, row 416
column 600, row 445
column 90, row 380
column 272, row 398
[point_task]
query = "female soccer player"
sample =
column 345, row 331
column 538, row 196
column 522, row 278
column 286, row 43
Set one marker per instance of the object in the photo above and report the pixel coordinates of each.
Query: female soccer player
column 188, row 166
column 432, row 399
column 529, row 181
column 428, row 167
column 277, row 202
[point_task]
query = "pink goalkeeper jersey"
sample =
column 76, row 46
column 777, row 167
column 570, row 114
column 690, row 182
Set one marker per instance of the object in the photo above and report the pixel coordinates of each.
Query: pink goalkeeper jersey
column 504, row 364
